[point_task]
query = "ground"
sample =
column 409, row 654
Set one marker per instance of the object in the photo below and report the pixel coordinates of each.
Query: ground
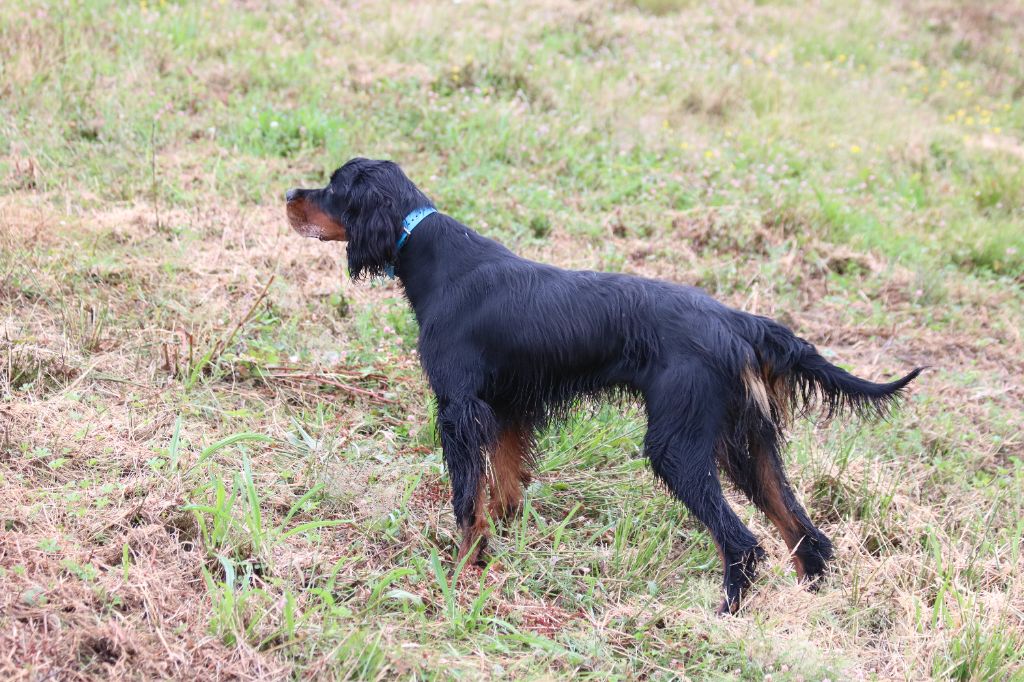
column 217, row 456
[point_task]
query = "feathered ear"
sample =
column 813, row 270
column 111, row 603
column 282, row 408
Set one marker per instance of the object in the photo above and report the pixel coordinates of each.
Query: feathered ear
column 372, row 234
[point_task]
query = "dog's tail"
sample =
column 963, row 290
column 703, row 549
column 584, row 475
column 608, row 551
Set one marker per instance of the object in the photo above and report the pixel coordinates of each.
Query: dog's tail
column 793, row 378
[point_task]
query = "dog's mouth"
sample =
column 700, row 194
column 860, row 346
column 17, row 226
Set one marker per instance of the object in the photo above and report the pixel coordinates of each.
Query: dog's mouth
column 306, row 218
column 300, row 223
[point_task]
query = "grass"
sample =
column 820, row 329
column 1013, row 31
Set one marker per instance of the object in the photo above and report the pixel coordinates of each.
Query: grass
column 217, row 454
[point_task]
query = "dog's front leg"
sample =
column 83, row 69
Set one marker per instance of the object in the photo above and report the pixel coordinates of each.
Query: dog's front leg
column 468, row 429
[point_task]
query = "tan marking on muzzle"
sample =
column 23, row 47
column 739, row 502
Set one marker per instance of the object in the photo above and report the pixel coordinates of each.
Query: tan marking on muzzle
column 309, row 221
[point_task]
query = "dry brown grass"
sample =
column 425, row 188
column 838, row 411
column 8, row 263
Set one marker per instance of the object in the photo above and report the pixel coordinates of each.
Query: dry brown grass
column 117, row 590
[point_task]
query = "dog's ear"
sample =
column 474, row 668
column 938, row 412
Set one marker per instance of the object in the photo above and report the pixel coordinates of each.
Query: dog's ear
column 372, row 233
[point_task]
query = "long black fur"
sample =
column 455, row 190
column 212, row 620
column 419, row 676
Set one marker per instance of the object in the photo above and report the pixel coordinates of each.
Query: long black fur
column 507, row 342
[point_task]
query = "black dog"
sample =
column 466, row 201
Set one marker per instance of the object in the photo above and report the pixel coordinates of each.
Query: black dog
column 508, row 344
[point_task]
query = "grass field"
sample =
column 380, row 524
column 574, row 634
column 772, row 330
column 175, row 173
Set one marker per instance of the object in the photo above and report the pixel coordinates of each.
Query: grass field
column 217, row 456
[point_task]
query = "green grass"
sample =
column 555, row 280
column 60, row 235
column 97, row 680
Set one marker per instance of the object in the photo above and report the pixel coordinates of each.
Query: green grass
column 219, row 452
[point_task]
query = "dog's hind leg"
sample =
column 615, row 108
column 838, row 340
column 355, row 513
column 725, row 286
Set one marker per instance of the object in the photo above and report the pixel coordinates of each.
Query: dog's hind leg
column 468, row 429
column 755, row 466
column 681, row 435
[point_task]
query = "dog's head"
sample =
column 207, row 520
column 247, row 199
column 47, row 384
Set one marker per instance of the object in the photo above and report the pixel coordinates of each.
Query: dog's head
column 363, row 204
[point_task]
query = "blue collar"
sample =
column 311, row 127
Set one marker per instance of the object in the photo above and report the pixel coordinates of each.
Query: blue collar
column 409, row 224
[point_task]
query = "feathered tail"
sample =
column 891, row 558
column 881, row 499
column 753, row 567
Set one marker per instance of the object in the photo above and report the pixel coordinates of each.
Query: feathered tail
column 796, row 379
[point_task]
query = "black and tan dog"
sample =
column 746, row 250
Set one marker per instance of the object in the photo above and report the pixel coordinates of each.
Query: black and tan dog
column 508, row 344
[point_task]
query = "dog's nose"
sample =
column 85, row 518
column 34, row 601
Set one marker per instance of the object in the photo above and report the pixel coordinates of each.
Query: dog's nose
column 291, row 195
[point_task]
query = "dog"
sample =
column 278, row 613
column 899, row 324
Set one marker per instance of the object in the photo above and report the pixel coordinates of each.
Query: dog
column 508, row 345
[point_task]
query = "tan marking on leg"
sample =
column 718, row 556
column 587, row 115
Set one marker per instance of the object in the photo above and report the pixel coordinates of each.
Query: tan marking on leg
column 509, row 471
column 770, row 392
column 774, row 507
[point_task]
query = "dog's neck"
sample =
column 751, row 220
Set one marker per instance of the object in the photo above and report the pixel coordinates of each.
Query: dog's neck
column 438, row 253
